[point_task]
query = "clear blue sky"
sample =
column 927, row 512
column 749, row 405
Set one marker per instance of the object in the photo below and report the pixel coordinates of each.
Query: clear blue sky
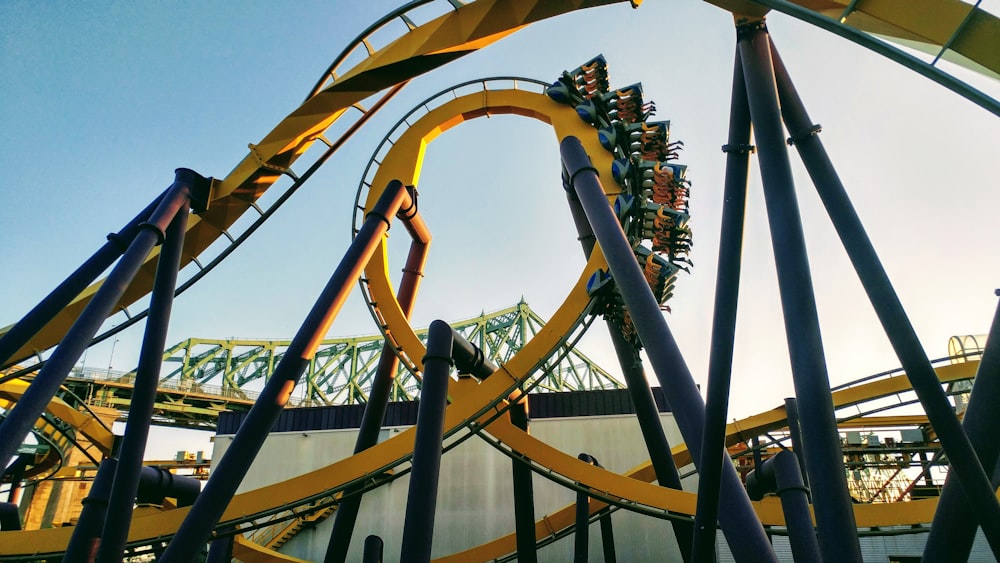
column 101, row 101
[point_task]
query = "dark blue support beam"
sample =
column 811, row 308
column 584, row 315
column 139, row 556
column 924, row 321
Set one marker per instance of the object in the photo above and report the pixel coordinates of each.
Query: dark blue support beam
column 378, row 398
column 65, row 292
column 87, row 533
column 221, row 550
column 736, row 515
column 795, row 432
column 903, row 338
column 421, row 497
column 133, row 446
column 524, row 497
column 373, row 550
column 197, row 527
column 727, row 288
column 824, row 460
column 581, row 533
column 608, row 537
column 954, row 526
column 22, row 417
column 646, row 412
column 781, row 474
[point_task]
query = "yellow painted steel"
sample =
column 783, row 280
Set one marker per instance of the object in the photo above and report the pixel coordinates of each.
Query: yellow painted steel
column 433, row 44
column 83, row 423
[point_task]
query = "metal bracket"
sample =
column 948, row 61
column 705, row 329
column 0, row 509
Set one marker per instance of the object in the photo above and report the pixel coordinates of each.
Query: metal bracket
column 749, row 149
column 812, row 131
column 268, row 165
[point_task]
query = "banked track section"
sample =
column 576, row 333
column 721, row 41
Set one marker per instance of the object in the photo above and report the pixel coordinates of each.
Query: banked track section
column 466, row 29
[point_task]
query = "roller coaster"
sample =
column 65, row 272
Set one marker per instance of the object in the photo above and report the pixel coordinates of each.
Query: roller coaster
column 628, row 197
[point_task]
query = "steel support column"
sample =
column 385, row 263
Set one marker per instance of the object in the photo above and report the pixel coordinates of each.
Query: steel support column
column 524, row 498
column 196, row 528
column 374, row 413
column 133, row 447
column 824, row 460
column 86, row 535
column 974, row 479
column 954, row 526
column 373, row 550
column 36, row 397
column 646, row 412
column 65, row 292
column 581, row 529
column 727, row 287
column 795, row 433
column 782, row 475
column 421, row 497
column 739, row 521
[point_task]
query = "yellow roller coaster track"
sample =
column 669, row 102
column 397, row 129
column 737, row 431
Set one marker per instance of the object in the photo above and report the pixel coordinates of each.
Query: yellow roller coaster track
column 479, row 405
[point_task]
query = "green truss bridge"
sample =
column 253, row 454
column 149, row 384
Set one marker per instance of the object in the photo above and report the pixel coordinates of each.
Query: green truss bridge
column 203, row 377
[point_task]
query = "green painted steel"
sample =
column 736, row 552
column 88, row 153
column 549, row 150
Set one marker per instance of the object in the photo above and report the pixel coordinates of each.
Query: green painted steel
column 343, row 368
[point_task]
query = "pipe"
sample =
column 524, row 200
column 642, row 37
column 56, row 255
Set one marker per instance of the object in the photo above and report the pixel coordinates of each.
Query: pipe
column 196, row 528
column 86, row 537
column 65, row 292
column 29, row 407
column 646, row 412
column 727, row 288
column 133, row 446
column 156, row 483
column 10, row 518
column 373, row 550
column 421, row 497
column 524, row 498
column 957, row 445
column 581, row 536
column 795, row 432
column 378, row 398
column 738, row 520
column 954, row 527
column 781, row 475
column 220, row 550
column 824, row 460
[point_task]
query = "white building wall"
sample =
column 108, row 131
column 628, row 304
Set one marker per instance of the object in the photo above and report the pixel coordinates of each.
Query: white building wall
column 475, row 494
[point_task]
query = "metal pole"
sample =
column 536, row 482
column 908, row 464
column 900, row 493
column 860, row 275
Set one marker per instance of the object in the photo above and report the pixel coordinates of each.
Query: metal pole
column 954, row 527
column 739, row 521
column 581, row 536
column 378, row 397
column 29, row 407
column 974, row 479
column 781, row 474
column 133, row 447
column 221, row 550
column 524, row 498
column 421, row 497
column 63, row 294
column 646, row 412
column 373, row 550
column 608, row 537
column 196, row 528
column 87, row 533
column 727, row 286
column 824, row 460
column 795, row 432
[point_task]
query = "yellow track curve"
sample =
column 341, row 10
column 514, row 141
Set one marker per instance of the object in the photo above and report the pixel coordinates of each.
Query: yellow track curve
column 465, row 30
